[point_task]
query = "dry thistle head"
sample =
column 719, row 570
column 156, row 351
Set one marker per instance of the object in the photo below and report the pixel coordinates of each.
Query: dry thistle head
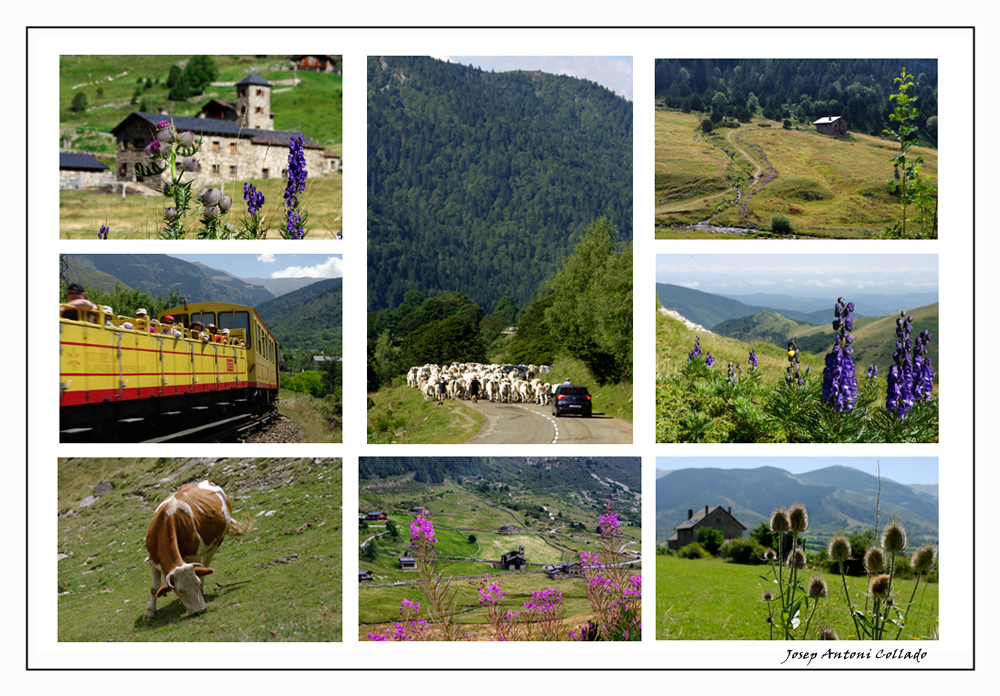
column 767, row 596
column 770, row 554
column 894, row 537
column 797, row 558
column 924, row 558
column 817, row 588
column 839, row 548
column 874, row 560
column 779, row 519
column 798, row 518
column 879, row 586
column 828, row 634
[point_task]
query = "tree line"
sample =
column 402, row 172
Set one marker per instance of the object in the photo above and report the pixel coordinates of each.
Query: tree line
column 803, row 90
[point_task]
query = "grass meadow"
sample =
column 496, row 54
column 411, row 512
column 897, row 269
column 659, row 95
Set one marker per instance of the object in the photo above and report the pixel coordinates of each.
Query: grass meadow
column 826, row 186
column 282, row 581
column 709, row 599
column 312, row 417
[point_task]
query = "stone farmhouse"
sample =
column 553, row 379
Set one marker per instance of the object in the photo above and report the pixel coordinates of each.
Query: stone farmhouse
column 78, row 170
column 513, row 560
column 716, row 518
column 831, row 125
column 238, row 140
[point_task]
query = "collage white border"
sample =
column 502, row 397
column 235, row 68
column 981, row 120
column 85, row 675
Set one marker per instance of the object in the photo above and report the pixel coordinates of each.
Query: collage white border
column 952, row 48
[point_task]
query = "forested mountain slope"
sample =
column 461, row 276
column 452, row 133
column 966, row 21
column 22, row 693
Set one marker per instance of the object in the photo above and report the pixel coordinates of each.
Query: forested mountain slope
column 483, row 182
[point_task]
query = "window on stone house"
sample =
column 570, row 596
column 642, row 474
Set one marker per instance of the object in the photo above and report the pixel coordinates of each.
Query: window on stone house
column 232, row 170
column 260, row 92
column 215, row 169
column 232, row 147
column 215, row 144
column 258, row 110
column 265, row 173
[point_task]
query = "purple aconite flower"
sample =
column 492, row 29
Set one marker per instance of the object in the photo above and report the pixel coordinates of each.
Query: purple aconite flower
column 872, row 371
column 710, row 360
column 753, row 359
column 899, row 383
column 296, row 185
column 692, row 354
column 840, row 386
column 253, row 198
column 103, row 232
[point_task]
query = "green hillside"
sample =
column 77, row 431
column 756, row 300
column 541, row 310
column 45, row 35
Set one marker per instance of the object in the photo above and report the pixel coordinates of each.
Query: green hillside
column 311, row 317
column 483, row 182
column 313, row 106
column 282, row 581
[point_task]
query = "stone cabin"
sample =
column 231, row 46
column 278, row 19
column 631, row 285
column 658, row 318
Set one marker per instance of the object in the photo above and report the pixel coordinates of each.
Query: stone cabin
column 831, row 125
column 407, row 563
column 365, row 576
column 715, row 518
column 77, row 170
column 508, row 529
column 325, row 64
column 238, row 140
column 513, row 560
column 564, row 570
column 418, row 511
column 376, row 515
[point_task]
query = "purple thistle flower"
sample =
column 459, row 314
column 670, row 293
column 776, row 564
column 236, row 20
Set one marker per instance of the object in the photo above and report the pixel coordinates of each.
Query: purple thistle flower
column 162, row 124
column 153, row 148
column 840, row 386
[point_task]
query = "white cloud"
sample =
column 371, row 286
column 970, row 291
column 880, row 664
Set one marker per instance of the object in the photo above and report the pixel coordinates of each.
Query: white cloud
column 333, row 267
column 266, row 258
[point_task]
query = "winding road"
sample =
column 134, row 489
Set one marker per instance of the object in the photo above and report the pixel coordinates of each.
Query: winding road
column 533, row 424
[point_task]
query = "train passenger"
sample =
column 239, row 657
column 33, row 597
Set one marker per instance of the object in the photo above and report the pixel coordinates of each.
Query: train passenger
column 197, row 331
column 168, row 327
column 76, row 295
column 225, row 337
column 216, row 336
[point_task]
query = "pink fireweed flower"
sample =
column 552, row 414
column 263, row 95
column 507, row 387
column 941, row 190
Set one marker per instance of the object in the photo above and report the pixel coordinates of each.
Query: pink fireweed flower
column 490, row 595
column 407, row 604
column 421, row 533
column 609, row 524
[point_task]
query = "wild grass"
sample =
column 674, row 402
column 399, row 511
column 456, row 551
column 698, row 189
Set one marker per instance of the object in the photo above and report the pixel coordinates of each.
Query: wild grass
column 709, row 599
column 82, row 212
column 399, row 414
column 280, row 582
column 313, row 417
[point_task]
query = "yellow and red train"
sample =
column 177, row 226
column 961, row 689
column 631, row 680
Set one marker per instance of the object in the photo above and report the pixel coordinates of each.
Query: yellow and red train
column 109, row 372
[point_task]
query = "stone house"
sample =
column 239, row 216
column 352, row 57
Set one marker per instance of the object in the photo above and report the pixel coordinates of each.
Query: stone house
column 376, row 515
column 513, row 560
column 407, row 563
column 508, row 529
column 77, row 170
column 326, row 64
column 238, row 140
column 831, row 125
column 365, row 576
column 564, row 570
column 716, row 518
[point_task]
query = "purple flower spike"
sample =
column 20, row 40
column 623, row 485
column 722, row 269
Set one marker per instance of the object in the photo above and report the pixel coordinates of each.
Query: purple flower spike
column 840, row 386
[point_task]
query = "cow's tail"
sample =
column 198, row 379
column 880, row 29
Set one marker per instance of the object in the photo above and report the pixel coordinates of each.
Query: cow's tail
column 239, row 527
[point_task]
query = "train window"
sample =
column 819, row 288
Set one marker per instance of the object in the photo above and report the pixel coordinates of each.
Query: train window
column 205, row 318
column 181, row 319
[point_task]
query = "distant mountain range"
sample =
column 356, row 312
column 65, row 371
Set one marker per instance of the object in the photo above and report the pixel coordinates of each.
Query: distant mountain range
column 710, row 309
column 837, row 498
column 874, row 334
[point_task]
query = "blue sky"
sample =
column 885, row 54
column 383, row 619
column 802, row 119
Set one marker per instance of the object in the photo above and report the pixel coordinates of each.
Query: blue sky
column 802, row 275
column 613, row 72
column 268, row 265
column 909, row 470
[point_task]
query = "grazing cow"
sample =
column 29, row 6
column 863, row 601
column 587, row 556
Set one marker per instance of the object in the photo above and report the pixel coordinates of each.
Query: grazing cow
column 184, row 534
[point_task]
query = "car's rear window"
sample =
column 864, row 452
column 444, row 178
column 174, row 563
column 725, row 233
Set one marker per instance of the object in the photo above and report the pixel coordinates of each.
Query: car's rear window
column 578, row 391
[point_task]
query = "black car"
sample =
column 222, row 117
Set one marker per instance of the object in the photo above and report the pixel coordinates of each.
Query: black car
column 571, row 398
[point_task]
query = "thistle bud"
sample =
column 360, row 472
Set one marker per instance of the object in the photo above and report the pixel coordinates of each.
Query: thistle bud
column 798, row 518
column 225, row 203
column 190, row 164
column 211, row 197
column 923, row 559
column 874, row 560
column 779, row 520
column 879, row 586
column 170, row 214
column 839, row 548
column 894, row 538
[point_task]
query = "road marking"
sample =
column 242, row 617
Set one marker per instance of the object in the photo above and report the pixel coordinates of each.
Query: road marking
column 555, row 426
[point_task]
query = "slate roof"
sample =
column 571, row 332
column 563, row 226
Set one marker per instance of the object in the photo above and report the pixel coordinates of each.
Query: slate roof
column 826, row 119
column 216, row 126
column 700, row 514
column 78, row 161
column 254, row 79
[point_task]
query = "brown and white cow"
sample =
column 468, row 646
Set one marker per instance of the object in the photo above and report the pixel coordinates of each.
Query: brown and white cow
column 184, row 534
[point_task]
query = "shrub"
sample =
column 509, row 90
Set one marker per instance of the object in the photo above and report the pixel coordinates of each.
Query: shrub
column 711, row 539
column 780, row 225
column 693, row 551
column 745, row 551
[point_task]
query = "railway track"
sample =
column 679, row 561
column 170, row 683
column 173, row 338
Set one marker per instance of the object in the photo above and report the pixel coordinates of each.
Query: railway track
column 175, row 427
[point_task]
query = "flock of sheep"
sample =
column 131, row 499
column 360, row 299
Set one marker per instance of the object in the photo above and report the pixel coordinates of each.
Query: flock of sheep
column 498, row 383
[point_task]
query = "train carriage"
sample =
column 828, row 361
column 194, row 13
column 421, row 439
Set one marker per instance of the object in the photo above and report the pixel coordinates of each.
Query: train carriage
column 111, row 374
